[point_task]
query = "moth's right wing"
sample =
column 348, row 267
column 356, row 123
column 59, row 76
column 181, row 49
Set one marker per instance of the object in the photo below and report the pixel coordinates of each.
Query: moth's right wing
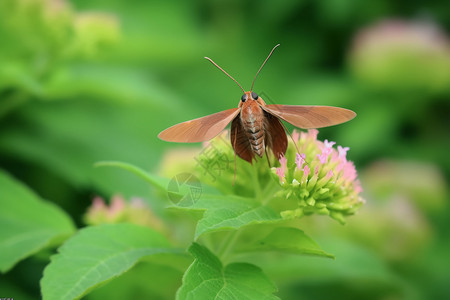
column 310, row 116
column 201, row 129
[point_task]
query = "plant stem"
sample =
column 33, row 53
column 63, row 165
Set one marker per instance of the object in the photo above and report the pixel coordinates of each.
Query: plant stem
column 256, row 185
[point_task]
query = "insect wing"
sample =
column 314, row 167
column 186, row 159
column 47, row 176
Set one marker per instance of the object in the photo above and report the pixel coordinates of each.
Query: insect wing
column 240, row 141
column 276, row 138
column 310, row 116
column 201, row 129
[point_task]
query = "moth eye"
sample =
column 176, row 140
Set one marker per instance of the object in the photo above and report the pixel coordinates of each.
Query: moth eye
column 244, row 98
column 254, row 96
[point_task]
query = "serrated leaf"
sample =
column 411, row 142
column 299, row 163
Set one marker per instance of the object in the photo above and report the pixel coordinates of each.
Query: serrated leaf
column 98, row 254
column 207, row 278
column 289, row 240
column 230, row 212
column 221, row 212
column 28, row 224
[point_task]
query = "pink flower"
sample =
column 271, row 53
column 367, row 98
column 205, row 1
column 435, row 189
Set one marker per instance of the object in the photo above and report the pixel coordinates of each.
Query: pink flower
column 327, row 149
column 117, row 206
column 328, row 144
column 300, row 160
column 313, row 133
column 119, row 210
column 349, row 172
column 295, row 135
column 322, row 157
column 306, row 171
column 283, row 162
column 343, row 152
column 329, row 174
column 98, row 204
column 327, row 184
column 357, row 186
column 340, row 167
column 281, row 171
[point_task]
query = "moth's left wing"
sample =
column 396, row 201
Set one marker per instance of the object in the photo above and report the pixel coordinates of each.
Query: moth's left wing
column 201, row 129
column 275, row 138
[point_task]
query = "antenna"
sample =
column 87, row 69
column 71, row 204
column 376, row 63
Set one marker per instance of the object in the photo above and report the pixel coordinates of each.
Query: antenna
column 225, row 72
column 263, row 66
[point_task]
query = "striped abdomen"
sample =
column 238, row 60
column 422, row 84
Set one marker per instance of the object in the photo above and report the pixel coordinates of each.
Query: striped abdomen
column 252, row 120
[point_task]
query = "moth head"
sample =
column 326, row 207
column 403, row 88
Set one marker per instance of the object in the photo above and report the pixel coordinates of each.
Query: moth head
column 249, row 96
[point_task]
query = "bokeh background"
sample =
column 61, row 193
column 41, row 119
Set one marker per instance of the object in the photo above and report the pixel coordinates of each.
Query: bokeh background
column 84, row 81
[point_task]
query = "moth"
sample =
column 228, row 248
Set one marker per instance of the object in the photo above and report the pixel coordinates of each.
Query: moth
column 256, row 126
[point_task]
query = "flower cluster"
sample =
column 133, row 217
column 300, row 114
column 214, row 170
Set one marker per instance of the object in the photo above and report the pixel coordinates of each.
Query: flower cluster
column 399, row 55
column 315, row 178
column 49, row 33
column 135, row 211
column 318, row 178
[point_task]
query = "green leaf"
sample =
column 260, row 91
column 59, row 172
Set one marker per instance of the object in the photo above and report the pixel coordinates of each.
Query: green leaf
column 221, row 212
column 45, row 136
column 156, row 277
column 158, row 182
column 229, row 212
column 289, row 240
column 96, row 255
column 119, row 84
column 28, row 224
column 207, row 278
column 356, row 269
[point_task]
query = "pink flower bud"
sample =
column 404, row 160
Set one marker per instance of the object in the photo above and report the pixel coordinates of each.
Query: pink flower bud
column 300, row 160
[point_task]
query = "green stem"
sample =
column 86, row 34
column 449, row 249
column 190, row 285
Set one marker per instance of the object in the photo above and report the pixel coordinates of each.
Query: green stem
column 256, row 185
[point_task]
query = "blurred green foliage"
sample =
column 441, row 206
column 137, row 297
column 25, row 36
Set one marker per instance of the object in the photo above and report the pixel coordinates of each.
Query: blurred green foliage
column 85, row 81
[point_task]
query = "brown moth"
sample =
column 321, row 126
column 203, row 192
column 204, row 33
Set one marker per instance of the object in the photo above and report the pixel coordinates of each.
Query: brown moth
column 256, row 126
